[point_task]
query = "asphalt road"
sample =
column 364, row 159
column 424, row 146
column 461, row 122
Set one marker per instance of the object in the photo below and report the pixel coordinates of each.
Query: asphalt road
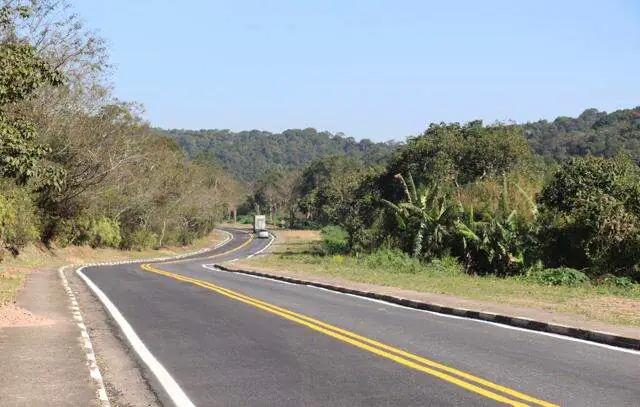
column 235, row 340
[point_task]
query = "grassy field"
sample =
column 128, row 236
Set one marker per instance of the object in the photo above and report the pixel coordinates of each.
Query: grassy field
column 294, row 250
column 13, row 270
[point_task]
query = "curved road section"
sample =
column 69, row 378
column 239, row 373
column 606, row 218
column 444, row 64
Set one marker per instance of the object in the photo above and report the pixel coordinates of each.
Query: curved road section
column 213, row 338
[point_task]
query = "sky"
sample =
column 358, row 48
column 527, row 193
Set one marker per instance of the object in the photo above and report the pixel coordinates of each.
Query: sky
column 377, row 69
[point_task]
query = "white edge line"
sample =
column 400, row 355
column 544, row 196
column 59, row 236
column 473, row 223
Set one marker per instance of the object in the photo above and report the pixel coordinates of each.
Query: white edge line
column 266, row 247
column 441, row 315
column 94, row 370
column 497, row 324
column 214, row 268
column 173, row 389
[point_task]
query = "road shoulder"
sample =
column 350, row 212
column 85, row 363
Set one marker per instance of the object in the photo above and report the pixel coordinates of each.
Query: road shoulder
column 44, row 363
column 125, row 379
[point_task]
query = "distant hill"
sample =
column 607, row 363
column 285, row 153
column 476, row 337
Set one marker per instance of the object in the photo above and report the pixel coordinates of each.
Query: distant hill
column 249, row 154
column 593, row 132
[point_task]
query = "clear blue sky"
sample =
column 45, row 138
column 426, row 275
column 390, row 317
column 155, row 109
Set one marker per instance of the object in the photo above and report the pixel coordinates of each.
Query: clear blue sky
column 379, row 69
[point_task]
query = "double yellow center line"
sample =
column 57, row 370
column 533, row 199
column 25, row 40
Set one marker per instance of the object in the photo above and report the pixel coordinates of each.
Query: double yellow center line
column 457, row 377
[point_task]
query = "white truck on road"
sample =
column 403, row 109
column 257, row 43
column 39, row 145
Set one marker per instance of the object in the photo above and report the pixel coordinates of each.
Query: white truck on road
column 260, row 226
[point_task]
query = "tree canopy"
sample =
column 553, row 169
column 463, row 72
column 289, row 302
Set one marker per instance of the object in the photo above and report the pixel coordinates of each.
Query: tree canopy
column 248, row 155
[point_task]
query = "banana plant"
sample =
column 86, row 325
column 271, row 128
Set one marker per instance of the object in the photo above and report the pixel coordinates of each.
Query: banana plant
column 495, row 244
column 427, row 210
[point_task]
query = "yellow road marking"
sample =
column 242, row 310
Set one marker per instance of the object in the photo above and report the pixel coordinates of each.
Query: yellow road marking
column 380, row 349
column 212, row 256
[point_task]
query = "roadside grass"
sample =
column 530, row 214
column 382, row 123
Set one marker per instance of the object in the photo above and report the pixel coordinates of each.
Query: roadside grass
column 13, row 270
column 10, row 283
column 295, row 252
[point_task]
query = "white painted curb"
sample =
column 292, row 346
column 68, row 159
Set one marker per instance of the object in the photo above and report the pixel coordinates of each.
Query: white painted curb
column 94, row 371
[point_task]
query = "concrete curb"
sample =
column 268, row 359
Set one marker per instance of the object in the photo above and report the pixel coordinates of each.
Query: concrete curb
column 520, row 322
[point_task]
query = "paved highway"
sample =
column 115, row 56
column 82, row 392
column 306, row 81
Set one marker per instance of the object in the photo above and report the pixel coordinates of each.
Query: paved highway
column 227, row 339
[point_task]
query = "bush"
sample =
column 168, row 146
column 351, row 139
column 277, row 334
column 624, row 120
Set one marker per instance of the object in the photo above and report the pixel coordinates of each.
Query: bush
column 591, row 214
column 618, row 282
column 559, row 276
column 97, row 231
column 245, row 219
column 334, row 240
column 140, row 239
column 19, row 222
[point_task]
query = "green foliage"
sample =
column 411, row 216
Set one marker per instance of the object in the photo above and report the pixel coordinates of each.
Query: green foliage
column 334, row 240
column 618, row 282
column 248, row 155
column 497, row 243
column 95, row 231
column 245, row 219
column 592, row 133
column 392, row 260
column 591, row 216
column 22, row 71
column 327, row 189
column 140, row 239
column 559, row 276
column 19, row 222
column 427, row 215
column 459, row 154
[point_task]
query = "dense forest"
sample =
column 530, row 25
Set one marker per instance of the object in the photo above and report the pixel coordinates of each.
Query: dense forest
column 592, row 133
column 78, row 166
column 248, row 155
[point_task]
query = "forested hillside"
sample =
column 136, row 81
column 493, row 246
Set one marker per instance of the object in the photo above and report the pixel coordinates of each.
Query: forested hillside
column 593, row 132
column 248, row 155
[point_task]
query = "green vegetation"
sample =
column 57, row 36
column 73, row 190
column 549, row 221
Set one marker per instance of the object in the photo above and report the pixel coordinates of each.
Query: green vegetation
column 564, row 290
column 249, row 154
column 78, row 167
column 592, row 133
column 479, row 195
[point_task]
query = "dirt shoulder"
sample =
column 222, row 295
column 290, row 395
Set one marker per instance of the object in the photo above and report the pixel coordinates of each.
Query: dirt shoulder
column 588, row 310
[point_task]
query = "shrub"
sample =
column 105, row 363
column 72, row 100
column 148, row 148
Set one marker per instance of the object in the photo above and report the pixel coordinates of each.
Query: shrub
column 500, row 242
column 334, row 240
column 618, row 282
column 19, row 222
column 559, row 276
column 104, row 232
column 591, row 214
column 245, row 219
column 98, row 231
column 140, row 239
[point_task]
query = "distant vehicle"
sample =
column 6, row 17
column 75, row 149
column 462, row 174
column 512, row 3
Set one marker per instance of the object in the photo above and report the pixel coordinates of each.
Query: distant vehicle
column 260, row 226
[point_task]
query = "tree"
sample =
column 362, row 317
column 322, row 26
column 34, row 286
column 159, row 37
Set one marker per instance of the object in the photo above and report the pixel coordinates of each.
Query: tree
column 591, row 212
column 427, row 213
column 460, row 154
column 22, row 72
